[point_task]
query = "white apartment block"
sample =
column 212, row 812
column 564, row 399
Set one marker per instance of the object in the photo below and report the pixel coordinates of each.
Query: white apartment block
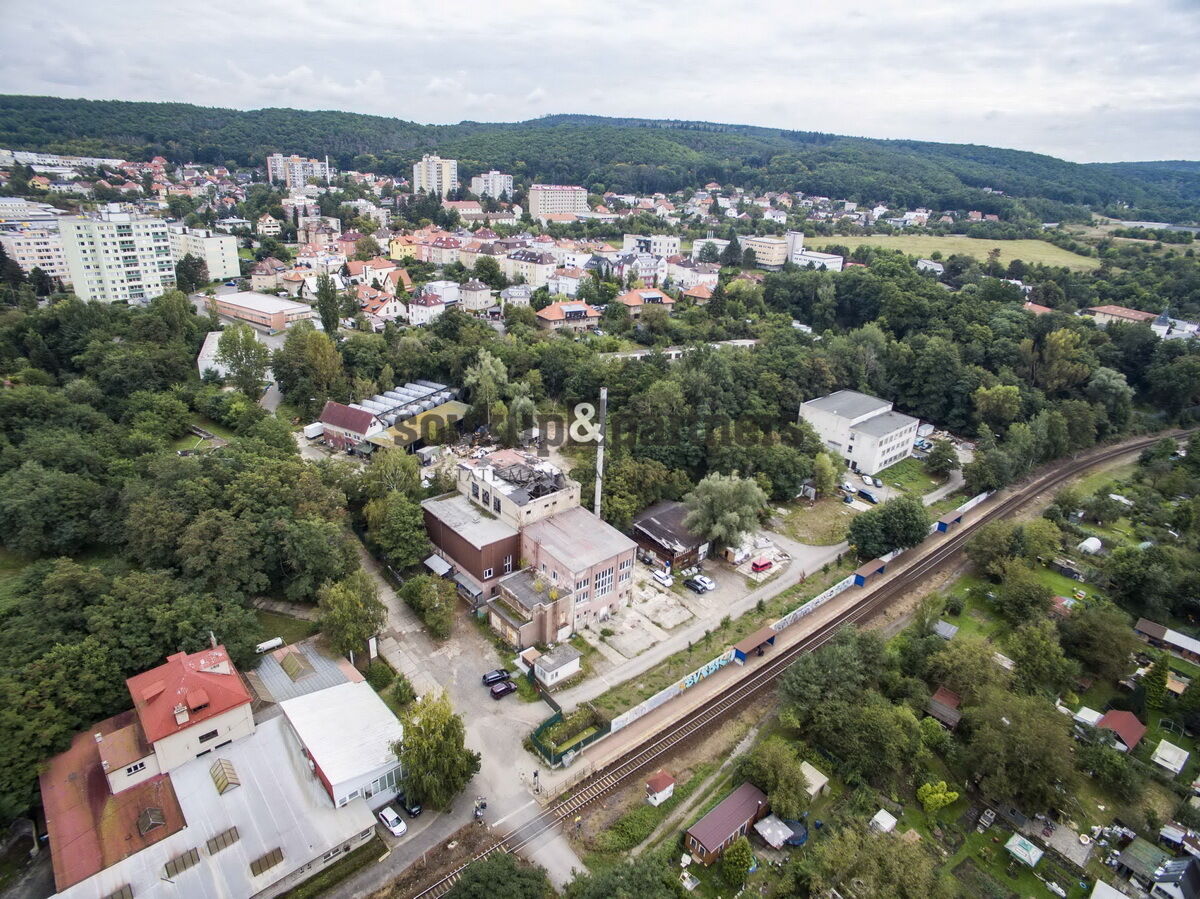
column 699, row 243
column 556, row 199
column 435, row 175
column 655, row 244
column 863, row 430
column 493, row 184
column 219, row 251
column 37, row 249
column 294, row 171
column 118, row 257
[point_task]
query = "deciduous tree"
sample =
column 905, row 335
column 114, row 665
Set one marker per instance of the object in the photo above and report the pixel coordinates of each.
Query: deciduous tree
column 437, row 763
column 247, row 359
column 350, row 612
column 724, row 508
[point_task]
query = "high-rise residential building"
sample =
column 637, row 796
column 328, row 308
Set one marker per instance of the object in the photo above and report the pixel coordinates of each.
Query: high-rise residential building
column 37, row 249
column 553, row 199
column 492, row 183
column 118, row 256
column 294, row 171
column 219, row 251
column 435, row 175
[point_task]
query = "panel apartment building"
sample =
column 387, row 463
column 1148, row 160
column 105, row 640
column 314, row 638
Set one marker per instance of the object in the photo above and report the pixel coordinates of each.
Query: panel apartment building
column 435, row 175
column 219, row 251
column 861, row 429
column 295, row 171
column 37, row 248
column 556, row 199
column 118, row 257
column 492, row 184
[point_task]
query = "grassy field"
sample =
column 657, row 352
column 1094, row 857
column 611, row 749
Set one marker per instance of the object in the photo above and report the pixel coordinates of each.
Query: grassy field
column 910, row 476
column 822, row 524
column 293, row 630
column 1032, row 251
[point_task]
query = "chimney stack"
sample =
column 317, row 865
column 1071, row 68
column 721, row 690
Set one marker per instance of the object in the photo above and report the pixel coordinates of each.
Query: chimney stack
column 600, row 448
column 181, row 714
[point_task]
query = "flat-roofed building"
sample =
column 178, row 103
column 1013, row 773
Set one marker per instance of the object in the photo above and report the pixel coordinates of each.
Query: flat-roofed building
column 861, row 429
column 118, row 257
column 272, row 313
column 37, row 248
column 518, row 488
column 218, row 251
column 481, row 547
column 769, row 252
column 555, row 199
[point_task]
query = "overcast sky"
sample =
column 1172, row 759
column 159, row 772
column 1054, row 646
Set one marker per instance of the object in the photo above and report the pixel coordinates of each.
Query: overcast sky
column 1088, row 80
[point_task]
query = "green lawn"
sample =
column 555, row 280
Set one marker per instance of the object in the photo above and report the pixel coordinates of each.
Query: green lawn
column 910, row 476
column 293, row 630
column 1031, row 251
column 822, row 524
column 1105, row 477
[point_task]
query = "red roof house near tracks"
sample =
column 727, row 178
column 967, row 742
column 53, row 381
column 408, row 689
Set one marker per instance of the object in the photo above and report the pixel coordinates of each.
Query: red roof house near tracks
column 731, row 818
column 1125, row 726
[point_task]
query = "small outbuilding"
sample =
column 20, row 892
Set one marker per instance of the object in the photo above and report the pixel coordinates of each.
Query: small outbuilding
column 1127, row 730
column 868, row 570
column 560, row 663
column 773, row 831
column 945, row 630
column 884, row 821
column 757, row 642
column 1168, row 755
column 948, row 520
column 944, row 707
column 1023, row 850
column 1091, row 546
column 817, row 782
column 660, row 786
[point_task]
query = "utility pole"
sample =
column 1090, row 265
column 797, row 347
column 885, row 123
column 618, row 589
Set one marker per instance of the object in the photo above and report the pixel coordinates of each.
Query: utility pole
column 600, row 448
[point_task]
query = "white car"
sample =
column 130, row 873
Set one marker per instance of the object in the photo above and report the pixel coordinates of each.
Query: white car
column 848, row 487
column 868, row 480
column 706, row 582
column 393, row 822
column 663, row 578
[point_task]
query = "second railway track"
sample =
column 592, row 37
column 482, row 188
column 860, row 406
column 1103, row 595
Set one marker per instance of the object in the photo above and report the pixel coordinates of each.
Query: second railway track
column 759, row 678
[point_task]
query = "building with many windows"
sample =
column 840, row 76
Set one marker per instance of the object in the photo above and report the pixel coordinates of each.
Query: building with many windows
column 654, row 244
column 863, row 430
column 556, row 199
column 219, row 251
column 188, row 795
column 118, row 257
column 37, row 249
column 492, row 184
column 295, row 171
column 435, row 175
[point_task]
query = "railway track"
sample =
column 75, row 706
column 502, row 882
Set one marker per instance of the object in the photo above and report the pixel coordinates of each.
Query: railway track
column 763, row 676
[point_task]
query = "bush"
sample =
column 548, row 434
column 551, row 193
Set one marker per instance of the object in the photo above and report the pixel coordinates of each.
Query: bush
column 955, row 603
column 380, row 675
column 402, row 691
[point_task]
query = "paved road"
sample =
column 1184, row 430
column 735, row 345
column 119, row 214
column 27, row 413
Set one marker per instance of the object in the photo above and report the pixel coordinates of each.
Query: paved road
column 494, row 729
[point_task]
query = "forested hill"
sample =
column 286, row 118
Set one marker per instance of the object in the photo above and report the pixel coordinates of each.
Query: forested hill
column 617, row 154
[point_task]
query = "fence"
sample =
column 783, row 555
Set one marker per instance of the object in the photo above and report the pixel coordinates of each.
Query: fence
column 813, row 604
column 562, row 755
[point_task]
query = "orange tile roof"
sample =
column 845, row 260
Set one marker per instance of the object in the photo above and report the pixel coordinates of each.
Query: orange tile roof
column 205, row 683
column 554, row 312
column 699, row 292
column 1122, row 312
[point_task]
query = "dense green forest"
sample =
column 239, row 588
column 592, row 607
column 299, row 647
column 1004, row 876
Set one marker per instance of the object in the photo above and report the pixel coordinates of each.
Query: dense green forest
column 619, row 154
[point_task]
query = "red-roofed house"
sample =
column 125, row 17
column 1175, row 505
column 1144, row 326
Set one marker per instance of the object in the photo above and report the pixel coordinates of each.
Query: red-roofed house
column 346, row 426
column 1036, row 308
column 636, row 300
column 731, row 818
column 1126, row 728
column 659, row 787
column 573, row 316
column 700, row 294
column 1105, row 315
column 365, row 272
column 398, row 281
column 191, row 704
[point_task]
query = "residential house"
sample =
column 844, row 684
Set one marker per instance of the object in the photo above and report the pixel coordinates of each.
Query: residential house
column 268, row 226
column 700, row 294
column 654, row 244
column 533, row 267
column 517, row 295
column 378, row 305
column 370, row 271
column 267, row 274
column 731, row 818
column 1125, row 727
column 862, row 429
column 425, row 308
column 636, row 300
column 475, row 296
column 568, row 316
column 443, row 250
column 659, row 530
column 348, row 426
column 565, row 281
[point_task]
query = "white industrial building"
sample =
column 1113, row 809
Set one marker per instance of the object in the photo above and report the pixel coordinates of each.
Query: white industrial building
column 863, row 430
column 347, row 734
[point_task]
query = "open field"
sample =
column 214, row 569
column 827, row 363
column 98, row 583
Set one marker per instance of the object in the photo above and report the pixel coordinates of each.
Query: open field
column 915, row 245
column 293, row 630
column 822, row 524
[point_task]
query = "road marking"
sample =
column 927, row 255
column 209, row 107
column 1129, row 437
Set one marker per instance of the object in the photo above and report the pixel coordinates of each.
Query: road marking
column 513, row 812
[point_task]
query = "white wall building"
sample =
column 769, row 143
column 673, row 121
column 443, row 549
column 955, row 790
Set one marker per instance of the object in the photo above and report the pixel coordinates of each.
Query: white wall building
column 717, row 243
column 863, row 430
column 556, row 199
column 294, row 171
column 655, row 244
column 830, row 262
column 492, row 184
column 435, row 175
column 118, row 257
column 219, row 251
column 37, row 249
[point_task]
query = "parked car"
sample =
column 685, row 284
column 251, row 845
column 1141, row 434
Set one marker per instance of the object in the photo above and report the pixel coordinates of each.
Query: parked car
column 494, row 677
column 695, row 586
column 866, row 479
column 231, row 283
column 848, row 498
column 502, row 689
column 869, row 497
column 412, row 809
column 761, row 564
column 707, row 582
column 663, row 578
column 393, row 822
column 876, row 482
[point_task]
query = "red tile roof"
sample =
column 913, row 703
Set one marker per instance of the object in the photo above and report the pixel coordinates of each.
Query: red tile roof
column 642, row 295
column 1036, row 308
column 699, row 292
column 946, row 697
column 554, row 312
column 1125, row 725
column 357, row 421
column 1121, row 312
column 89, row 827
column 205, row 683
column 659, row 781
